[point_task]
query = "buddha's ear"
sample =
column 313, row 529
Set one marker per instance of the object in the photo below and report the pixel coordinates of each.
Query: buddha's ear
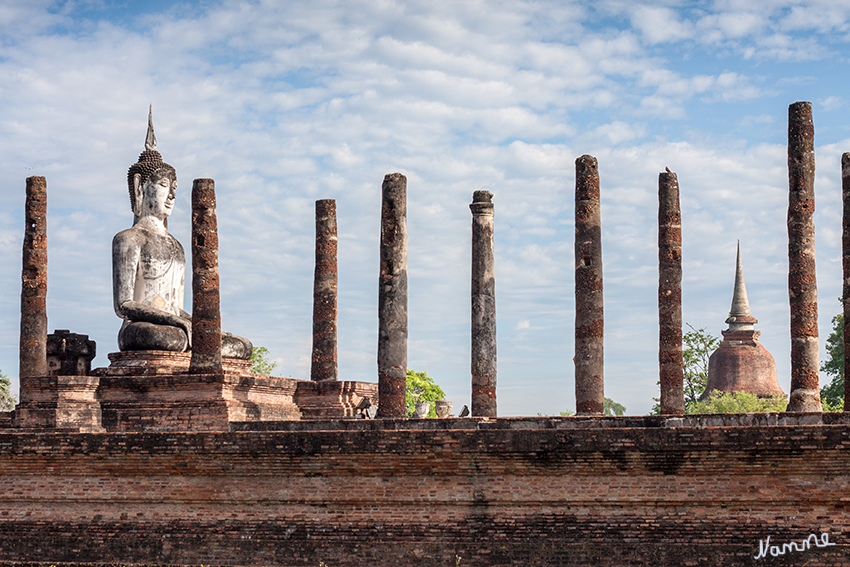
column 137, row 193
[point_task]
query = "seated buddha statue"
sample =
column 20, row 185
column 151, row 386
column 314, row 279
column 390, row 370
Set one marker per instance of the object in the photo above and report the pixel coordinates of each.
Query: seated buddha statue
column 149, row 265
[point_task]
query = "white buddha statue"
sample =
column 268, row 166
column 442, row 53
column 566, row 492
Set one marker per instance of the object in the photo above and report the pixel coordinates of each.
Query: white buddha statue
column 149, row 265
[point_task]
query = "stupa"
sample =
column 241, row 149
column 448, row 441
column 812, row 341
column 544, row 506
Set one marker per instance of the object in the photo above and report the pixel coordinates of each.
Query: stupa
column 741, row 363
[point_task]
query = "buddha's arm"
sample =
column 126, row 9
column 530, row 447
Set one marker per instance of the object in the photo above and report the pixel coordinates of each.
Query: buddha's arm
column 135, row 311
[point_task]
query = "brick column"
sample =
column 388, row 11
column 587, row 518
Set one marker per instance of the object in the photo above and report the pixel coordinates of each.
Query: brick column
column 206, row 309
column 589, row 325
column 671, row 367
column 483, row 307
column 392, row 298
column 324, row 362
column 845, row 244
column 802, row 282
column 33, row 345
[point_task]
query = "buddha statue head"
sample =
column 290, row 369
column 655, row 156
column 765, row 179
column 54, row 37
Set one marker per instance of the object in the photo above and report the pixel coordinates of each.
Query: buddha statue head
column 148, row 176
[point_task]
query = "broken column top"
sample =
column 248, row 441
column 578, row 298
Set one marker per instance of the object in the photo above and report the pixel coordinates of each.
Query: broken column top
column 482, row 196
column 740, row 317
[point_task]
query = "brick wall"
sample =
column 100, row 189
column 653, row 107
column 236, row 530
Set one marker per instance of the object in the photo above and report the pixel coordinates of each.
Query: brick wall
column 544, row 491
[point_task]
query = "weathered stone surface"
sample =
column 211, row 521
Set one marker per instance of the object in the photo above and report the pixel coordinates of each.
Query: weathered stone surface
column 33, row 345
column 802, row 284
column 845, row 246
column 590, row 322
column 206, row 313
column 69, row 354
column 483, row 306
column 392, row 298
column 670, row 295
column 324, row 356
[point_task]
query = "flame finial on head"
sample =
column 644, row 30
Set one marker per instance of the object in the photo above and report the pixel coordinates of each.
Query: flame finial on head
column 150, row 139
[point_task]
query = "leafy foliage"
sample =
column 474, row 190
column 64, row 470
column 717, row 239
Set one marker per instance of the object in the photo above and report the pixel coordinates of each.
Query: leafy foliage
column 422, row 388
column 7, row 400
column 610, row 407
column 260, row 362
column 565, row 413
column 697, row 346
column 739, row 402
column 832, row 395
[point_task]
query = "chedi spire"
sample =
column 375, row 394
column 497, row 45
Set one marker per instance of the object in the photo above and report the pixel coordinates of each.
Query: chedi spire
column 741, row 363
column 740, row 317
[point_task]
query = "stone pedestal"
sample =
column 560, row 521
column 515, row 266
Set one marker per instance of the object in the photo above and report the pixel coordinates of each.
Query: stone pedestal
column 59, row 402
column 156, row 362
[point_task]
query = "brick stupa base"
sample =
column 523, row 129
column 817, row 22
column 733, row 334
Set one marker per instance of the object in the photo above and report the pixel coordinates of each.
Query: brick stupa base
column 146, row 391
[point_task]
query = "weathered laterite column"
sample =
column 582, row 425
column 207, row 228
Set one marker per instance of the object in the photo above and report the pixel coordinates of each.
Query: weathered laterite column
column 33, row 347
column 206, row 306
column 392, row 298
column 324, row 362
column 483, row 307
column 845, row 244
column 802, row 282
column 670, row 364
column 590, row 322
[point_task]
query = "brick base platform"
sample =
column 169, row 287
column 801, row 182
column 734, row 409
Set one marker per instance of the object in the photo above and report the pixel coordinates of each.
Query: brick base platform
column 702, row 491
column 149, row 391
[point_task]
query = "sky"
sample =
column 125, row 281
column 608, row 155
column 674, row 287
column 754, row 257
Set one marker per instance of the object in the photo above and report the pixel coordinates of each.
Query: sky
column 284, row 103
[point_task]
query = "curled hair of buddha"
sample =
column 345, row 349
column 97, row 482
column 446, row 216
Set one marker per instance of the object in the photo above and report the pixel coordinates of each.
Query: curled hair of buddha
column 150, row 163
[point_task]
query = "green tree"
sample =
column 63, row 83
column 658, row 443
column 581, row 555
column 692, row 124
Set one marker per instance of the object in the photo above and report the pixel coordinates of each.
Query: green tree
column 260, row 362
column 422, row 388
column 739, row 402
column 7, row 400
column 610, row 407
column 697, row 346
column 832, row 395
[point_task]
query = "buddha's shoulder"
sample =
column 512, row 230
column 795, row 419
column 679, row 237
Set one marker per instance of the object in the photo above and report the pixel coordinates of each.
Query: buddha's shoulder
column 138, row 236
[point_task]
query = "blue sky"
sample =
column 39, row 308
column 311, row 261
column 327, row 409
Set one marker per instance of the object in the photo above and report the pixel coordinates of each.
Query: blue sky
column 283, row 103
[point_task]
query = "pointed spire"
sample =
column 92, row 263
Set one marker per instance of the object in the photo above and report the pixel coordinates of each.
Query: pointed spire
column 150, row 140
column 740, row 317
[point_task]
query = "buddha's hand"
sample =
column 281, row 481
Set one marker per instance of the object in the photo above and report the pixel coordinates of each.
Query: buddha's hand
column 135, row 311
column 186, row 325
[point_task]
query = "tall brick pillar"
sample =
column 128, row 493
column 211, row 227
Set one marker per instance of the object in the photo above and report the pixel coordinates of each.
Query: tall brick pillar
column 483, row 307
column 802, row 282
column 392, row 298
column 845, row 244
column 33, row 345
column 324, row 358
column 590, row 322
column 670, row 363
column 206, row 307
